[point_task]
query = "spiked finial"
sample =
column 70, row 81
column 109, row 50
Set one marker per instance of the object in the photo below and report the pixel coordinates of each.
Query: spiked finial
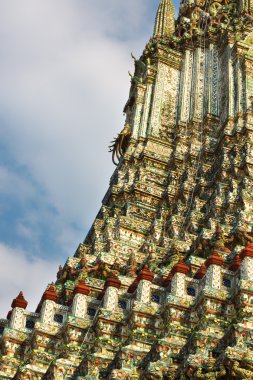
column 19, row 301
column 165, row 19
column 50, row 294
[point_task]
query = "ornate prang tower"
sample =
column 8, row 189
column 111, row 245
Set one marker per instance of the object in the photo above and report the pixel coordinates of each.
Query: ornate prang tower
column 162, row 286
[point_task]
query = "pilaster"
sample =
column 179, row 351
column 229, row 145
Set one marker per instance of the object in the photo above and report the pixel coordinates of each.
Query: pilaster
column 145, row 279
column 214, row 264
column 79, row 305
column 178, row 274
column 18, row 305
column 112, row 286
column 48, row 301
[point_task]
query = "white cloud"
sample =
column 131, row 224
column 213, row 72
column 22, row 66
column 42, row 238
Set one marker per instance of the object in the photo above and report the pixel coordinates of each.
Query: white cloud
column 64, row 83
column 63, row 91
column 20, row 272
column 11, row 183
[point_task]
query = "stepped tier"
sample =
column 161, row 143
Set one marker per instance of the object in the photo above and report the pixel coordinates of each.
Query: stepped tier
column 162, row 286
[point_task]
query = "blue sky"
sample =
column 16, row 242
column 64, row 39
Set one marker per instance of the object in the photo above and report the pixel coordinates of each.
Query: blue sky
column 64, row 82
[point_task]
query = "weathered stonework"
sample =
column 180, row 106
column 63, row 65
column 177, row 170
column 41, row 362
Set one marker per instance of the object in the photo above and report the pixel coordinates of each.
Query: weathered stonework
column 162, row 286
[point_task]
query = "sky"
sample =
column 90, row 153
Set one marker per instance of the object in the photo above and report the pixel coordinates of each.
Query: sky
column 64, row 82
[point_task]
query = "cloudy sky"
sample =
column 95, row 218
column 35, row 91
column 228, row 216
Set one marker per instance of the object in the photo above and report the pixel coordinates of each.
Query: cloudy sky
column 64, row 82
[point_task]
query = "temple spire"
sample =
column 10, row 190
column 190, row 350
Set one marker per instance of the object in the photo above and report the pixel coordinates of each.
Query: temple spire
column 165, row 19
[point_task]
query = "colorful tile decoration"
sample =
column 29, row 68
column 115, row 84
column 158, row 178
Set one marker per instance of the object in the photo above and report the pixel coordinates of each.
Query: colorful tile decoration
column 162, row 286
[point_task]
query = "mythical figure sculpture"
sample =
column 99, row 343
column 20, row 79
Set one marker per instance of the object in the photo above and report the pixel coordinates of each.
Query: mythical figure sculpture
column 212, row 375
column 131, row 264
column 241, row 373
column 219, row 241
column 120, row 143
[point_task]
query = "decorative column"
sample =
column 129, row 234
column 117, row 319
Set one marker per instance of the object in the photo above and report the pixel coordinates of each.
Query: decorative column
column 246, row 256
column 178, row 274
column 140, row 93
column 198, row 84
column 147, row 103
column 79, row 305
column 161, row 78
column 213, row 274
column 48, row 300
column 212, row 82
column 186, row 82
column 224, row 83
column 18, row 305
column 145, row 279
column 111, row 291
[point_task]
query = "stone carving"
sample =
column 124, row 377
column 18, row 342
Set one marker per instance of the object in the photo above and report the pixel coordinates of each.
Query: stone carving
column 162, row 286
